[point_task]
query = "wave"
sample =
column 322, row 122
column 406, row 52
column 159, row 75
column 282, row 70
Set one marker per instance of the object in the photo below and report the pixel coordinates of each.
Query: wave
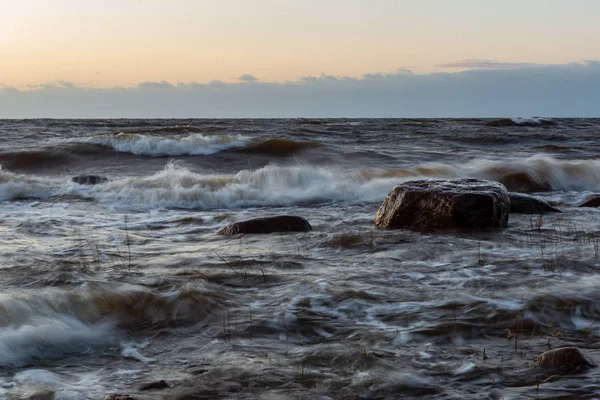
column 72, row 153
column 19, row 186
column 156, row 146
column 276, row 185
column 34, row 158
column 193, row 145
column 278, row 147
column 538, row 173
column 57, row 322
column 533, row 121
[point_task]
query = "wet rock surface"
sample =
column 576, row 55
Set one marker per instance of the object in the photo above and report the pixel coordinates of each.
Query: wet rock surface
column 428, row 205
column 284, row 223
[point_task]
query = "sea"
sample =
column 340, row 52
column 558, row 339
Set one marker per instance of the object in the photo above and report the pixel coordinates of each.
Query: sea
column 125, row 287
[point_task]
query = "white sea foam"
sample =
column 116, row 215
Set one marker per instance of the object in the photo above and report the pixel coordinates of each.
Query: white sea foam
column 17, row 186
column 530, row 120
column 44, row 337
column 269, row 186
column 289, row 185
column 51, row 323
column 538, row 170
column 160, row 146
column 132, row 350
column 274, row 185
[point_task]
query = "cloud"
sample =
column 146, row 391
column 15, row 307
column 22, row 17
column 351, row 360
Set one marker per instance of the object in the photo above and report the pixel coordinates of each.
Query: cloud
column 155, row 85
column 550, row 90
column 247, row 78
column 487, row 64
column 404, row 71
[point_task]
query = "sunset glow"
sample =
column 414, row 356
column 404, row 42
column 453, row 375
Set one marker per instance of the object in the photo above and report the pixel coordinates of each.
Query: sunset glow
column 121, row 43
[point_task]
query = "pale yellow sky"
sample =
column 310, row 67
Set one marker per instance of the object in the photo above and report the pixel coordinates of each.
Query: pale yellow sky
column 124, row 42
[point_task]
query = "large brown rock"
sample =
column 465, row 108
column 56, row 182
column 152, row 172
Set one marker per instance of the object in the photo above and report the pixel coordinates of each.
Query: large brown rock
column 570, row 358
column 524, row 204
column 284, row 223
column 445, row 204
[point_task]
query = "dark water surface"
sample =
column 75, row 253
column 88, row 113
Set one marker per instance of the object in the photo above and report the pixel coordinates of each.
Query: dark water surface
column 105, row 288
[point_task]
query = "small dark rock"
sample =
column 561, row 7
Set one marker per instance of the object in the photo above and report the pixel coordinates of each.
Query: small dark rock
column 42, row 395
column 565, row 358
column 524, row 204
column 284, row 223
column 117, row 396
column 428, row 205
column 155, row 385
column 593, row 202
column 89, row 179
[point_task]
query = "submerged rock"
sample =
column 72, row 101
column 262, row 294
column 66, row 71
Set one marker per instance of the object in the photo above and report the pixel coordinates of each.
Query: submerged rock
column 89, row 179
column 162, row 384
column 42, row 395
column 524, row 182
column 524, row 204
column 566, row 358
column 117, row 396
column 284, row 223
column 445, row 204
column 593, row 202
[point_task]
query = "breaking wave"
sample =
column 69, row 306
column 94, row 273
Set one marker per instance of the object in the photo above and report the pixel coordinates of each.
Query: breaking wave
column 276, row 185
column 156, row 146
column 58, row 322
column 534, row 121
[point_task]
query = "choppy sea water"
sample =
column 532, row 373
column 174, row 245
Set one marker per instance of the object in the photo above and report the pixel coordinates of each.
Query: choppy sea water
column 105, row 288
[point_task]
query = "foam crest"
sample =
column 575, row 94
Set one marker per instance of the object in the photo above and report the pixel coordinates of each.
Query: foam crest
column 156, row 146
column 18, row 186
column 57, row 322
column 177, row 187
column 275, row 185
column 531, row 121
column 533, row 174
column 43, row 338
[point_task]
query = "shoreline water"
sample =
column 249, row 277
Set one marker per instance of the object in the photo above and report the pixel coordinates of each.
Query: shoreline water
column 342, row 311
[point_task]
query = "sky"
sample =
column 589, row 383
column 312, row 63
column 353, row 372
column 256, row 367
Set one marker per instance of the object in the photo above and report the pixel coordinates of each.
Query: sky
column 228, row 58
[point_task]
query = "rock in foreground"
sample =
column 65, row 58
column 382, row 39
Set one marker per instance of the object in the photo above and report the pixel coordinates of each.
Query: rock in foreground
column 284, row 223
column 445, row 204
column 524, row 204
column 89, row 179
column 567, row 358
